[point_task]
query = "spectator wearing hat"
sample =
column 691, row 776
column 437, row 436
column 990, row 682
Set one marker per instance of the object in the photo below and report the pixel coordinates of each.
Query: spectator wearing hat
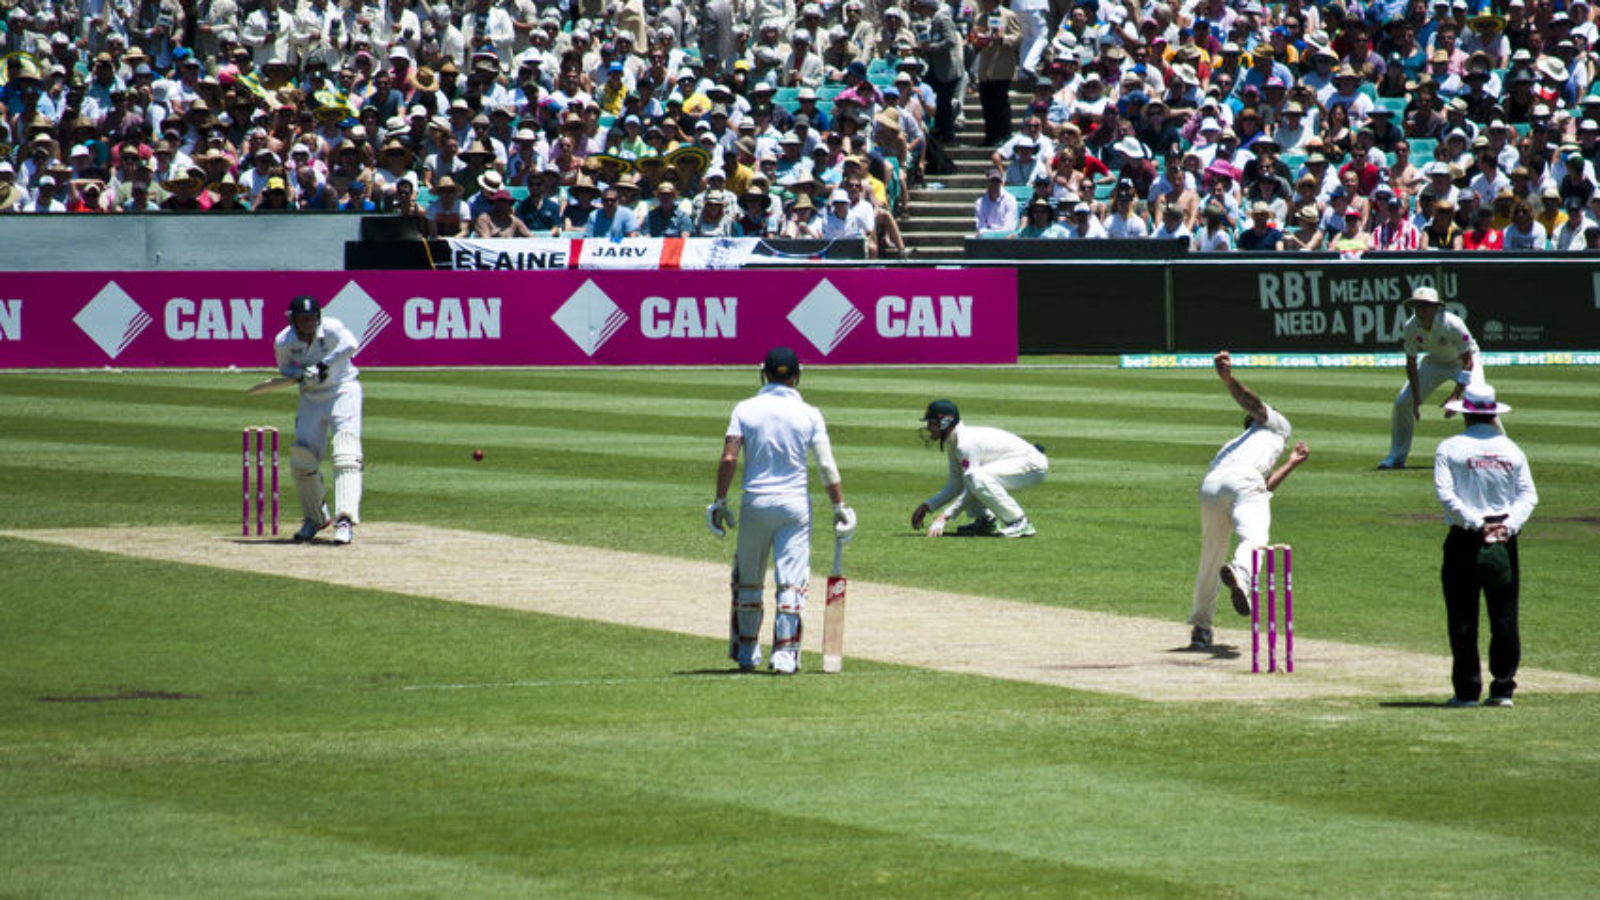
column 1083, row 225
column 1482, row 480
column 1392, row 228
column 274, row 196
column 995, row 211
column 1024, row 165
column 802, row 66
column 714, row 218
column 1125, row 219
column 1306, row 236
column 500, row 219
column 1040, row 222
column 668, row 217
column 1172, row 226
column 1262, row 235
column 1550, row 214
column 1213, row 236
column 448, row 214
column 488, row 25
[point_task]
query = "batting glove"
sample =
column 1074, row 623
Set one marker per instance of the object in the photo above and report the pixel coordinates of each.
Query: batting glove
column 719, row 518
column 844, row 522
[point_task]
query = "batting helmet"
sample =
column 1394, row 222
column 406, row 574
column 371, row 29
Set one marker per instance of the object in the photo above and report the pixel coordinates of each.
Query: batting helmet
column 781, row 363
column 943, row 413
column 305, row 304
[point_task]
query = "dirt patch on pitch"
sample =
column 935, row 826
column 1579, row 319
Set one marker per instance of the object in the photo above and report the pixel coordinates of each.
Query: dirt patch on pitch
column 930, row 629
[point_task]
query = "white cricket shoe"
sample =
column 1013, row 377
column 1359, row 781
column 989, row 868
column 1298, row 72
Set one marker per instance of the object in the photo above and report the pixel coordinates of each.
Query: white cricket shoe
column 1237, row 583
column 1021, row 528
column 343, row 532
column 785, row 662
column 309, row 529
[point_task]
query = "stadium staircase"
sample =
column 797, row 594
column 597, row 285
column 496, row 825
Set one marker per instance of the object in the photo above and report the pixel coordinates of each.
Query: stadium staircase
column 938, row 221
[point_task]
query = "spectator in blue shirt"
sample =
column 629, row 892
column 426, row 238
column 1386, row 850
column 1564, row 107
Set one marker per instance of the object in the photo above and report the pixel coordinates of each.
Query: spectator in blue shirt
column 612, row 220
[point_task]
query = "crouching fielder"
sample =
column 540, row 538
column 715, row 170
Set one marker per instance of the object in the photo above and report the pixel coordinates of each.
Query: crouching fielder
column 317, row 351
column 986, row 465
column 775, row 429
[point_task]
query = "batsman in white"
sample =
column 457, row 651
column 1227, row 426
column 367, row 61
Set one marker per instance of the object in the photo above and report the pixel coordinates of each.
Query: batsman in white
column 1238, row 490
column 1448, row 353
column 776, row 430
column 317, row 350
column 986, row 465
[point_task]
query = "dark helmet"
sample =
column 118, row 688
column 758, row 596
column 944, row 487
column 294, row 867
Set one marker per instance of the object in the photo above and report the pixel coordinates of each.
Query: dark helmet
column 781, row 363
column 943, row 413
column 305, row 304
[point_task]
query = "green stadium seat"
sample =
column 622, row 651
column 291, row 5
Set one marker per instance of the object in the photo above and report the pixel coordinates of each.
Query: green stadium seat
column 785, row 96
column 1103, row 189
column 1294, row 161
column 1022, row 192
column 1397, row 105
column 879, row 66
column 1422, row 150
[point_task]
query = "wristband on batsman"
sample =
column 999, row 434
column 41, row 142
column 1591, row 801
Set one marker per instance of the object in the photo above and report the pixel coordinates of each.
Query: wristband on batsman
column 1464, row 378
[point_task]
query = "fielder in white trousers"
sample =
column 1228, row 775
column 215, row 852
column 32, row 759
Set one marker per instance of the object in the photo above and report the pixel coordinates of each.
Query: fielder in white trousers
column 1438, row 349
column 1236, row 502
column 986, row 466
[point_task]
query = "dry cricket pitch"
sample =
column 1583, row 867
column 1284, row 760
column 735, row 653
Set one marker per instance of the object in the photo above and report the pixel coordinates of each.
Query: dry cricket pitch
column 1125, row 655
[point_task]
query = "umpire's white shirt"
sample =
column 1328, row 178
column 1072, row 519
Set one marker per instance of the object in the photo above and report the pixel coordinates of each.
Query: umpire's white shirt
column 1481, row 473
column 778, row 429
column 1446, row 342
column 1257, row 449
column 334, row 345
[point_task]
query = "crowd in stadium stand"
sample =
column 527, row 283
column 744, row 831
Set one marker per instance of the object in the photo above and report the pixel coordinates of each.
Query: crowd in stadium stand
column 1232, row 124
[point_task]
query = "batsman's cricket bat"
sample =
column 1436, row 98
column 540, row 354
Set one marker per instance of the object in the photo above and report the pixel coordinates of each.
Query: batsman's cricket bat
column 271, row 384
column 833, row 614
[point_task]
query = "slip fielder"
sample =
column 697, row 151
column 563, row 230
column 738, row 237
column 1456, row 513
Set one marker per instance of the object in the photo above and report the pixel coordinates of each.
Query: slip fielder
column 986, row 465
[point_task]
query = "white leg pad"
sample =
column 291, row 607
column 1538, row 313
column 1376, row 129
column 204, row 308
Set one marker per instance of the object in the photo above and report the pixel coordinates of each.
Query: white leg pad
column 307, row 471
column 347, row 475
column 786, row 623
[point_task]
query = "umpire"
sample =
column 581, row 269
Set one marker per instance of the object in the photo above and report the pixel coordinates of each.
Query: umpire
column 1483, row 482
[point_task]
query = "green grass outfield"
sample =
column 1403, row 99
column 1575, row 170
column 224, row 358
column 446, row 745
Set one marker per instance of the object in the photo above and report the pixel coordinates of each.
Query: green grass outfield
column 171, row 731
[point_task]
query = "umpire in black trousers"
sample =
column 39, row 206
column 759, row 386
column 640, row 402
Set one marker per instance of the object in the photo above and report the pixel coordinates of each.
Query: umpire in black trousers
column 1482, row 480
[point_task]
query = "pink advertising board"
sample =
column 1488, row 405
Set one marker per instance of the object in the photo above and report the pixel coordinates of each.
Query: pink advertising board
column 561, row 318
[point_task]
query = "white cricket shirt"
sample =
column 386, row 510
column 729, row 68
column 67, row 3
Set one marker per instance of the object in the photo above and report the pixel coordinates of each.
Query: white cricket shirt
column 778, row 430
column 1258, row 448
column 971, row 447
column 1446, row 342
column 334, row 344
column 1481, row 472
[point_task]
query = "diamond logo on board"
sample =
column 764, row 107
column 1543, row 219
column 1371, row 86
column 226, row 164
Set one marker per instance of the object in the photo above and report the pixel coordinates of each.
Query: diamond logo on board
column 589, row 318
column 825, row 317
column 359, row 313
column 112, row 320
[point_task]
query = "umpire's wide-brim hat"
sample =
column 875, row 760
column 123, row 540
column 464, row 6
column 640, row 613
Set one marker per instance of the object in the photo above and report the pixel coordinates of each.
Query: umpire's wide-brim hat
column 1478, row 400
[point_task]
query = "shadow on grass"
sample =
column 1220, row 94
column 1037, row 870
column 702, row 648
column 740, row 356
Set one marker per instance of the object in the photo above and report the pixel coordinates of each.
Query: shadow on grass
column 1215, row 651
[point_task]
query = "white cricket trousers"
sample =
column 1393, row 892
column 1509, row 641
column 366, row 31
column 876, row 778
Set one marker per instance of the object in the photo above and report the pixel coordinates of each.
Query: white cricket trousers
column 1402, row 422
column 779, row 526
column 1236, row 497
column 340, row 411
column 989, row 486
